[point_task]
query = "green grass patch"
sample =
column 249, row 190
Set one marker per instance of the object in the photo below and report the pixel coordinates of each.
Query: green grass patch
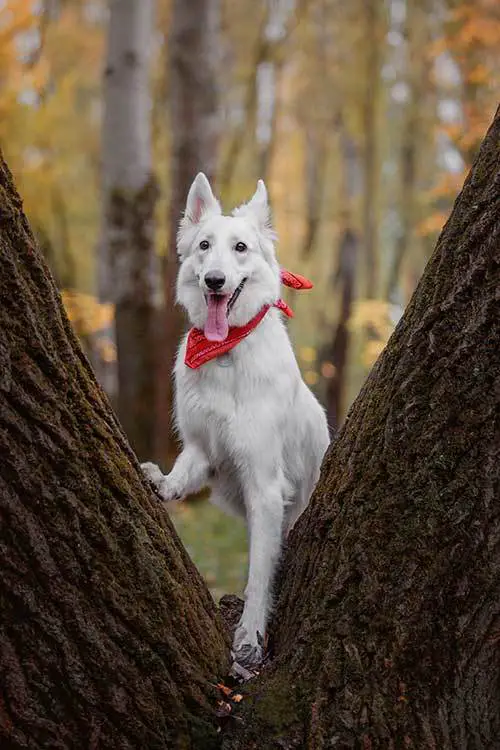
column 216, row 543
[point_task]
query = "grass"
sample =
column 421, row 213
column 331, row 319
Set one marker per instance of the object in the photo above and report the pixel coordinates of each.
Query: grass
column 217, row 544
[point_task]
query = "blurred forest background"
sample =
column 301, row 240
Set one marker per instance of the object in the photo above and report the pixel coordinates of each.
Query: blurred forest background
column 363, row 118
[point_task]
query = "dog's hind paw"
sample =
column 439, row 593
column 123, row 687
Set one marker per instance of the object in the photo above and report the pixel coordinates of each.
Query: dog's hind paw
column 248, row 655
column 246, row 652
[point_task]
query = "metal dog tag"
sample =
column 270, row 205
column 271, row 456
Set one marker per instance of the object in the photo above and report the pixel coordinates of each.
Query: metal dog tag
column 225, row 360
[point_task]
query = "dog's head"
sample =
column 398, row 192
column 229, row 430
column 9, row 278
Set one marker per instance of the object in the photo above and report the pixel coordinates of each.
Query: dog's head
column 228, row 266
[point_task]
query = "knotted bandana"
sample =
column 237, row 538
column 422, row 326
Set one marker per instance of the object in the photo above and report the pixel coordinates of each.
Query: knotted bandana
column 200, row 350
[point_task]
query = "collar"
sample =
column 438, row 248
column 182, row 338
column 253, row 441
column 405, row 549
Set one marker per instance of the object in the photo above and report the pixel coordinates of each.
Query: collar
column 199, row 350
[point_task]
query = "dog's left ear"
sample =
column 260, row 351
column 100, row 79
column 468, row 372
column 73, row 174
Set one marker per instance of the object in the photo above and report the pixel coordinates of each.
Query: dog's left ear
column 258, row 208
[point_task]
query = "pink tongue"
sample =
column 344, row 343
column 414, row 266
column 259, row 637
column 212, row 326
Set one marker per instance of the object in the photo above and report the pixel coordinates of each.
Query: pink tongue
column 216, row 325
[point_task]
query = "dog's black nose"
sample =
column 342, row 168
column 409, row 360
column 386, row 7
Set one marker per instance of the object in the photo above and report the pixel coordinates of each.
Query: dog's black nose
column 215, row 280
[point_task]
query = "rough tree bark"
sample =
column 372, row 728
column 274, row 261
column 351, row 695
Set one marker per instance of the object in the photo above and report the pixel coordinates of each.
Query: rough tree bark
column 193, row 44
column 387, row 627
column 127, row 261
column 108, row 635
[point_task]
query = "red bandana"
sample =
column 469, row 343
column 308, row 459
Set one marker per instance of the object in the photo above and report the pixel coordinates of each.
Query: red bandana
column 199, row 350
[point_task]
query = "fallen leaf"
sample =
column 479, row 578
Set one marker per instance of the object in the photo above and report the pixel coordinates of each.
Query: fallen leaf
column 224, row 688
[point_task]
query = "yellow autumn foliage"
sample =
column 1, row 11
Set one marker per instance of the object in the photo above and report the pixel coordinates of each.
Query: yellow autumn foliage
column 447, row 185
column 86, row 313
column 91, row 318
column 431, row 224
column 375, row 315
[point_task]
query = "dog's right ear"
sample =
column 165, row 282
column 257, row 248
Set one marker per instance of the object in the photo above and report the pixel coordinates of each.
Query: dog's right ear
column 200, row 200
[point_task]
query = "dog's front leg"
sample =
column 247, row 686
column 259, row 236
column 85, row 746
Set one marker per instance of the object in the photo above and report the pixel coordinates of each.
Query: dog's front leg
column 265, row 510
column 189, row 475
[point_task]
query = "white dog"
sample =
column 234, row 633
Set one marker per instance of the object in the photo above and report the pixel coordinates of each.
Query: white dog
column 250, row 427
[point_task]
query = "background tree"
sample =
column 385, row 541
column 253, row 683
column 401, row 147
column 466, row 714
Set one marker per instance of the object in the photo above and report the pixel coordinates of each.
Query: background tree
column 127, row 259
column 371, row 106
column 414, row 80
column 194, row 120
column 51, row 61
column 343, row 283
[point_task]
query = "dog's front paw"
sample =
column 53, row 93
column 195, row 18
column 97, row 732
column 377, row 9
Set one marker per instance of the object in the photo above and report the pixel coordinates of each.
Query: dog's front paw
column 166, row 488
column 153, row 473
column 247, row 650
column 169, row 490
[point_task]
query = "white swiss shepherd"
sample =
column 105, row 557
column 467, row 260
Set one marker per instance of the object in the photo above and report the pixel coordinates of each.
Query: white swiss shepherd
column 251, row 429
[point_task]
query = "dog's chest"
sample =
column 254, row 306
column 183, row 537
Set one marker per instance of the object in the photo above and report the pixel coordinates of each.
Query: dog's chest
column 218, row 401
column 241, row 399
column 220, row 388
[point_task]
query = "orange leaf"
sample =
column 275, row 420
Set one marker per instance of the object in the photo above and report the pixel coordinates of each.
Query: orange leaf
column 224, row 689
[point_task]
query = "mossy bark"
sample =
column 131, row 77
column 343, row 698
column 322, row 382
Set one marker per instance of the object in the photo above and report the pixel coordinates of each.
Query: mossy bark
column 108, row 635
column 387, row 626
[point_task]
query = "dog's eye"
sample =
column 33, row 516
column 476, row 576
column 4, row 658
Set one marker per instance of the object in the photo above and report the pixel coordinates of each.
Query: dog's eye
column 240, row 247
column 204, row 245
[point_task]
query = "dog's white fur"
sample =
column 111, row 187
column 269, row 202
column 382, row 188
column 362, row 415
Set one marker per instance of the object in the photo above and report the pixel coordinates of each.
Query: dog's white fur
column 251, row 430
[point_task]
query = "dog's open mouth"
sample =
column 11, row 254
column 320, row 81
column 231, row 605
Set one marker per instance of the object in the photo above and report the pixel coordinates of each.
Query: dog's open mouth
column 218, row 308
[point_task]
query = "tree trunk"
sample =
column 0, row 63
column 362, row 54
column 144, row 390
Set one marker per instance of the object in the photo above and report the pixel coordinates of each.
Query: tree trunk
column 407, row 196
column 267, row 74
column 370, row 108
column 108, row 635
column 344, row 280
column 318, row 123
column 127, row 257
column 195, row 129
column 387, row 626
column 416, row 33
column 239, row 137
column 339, row 347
